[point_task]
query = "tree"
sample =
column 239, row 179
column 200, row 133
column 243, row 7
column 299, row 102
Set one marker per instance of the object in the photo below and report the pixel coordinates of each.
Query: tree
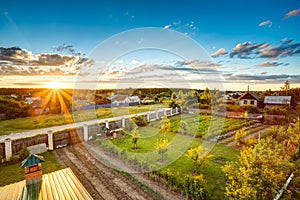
column 135, row 137
column 205, row 98
column 24, row 153
column 162, row 148
column 173, row 104
column 165, row 125
column 259, row 172
column 198, row 156
column 239, row 136
column 173, row 96
column 180, row 96
column 182, row 127
column 286, row 87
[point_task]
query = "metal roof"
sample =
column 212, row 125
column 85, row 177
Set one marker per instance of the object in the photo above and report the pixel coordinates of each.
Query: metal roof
column 32, row 159
column 249, row 95
column 279, row 100
column 61, row 184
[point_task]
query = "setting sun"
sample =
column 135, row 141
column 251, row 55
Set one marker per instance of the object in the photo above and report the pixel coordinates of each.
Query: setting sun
column 54, row 85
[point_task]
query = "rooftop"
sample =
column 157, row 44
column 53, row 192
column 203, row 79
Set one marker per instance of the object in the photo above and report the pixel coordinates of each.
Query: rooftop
column 61, row 184
column 32, row 160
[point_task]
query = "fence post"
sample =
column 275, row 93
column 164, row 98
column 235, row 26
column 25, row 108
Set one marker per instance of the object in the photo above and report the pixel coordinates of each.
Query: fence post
column 106, row 124
column 85, row 132
column 50, row 140
column 148, row 116
column 172, row 111
column 176, row 110
column 123, row 122
column 8, row 149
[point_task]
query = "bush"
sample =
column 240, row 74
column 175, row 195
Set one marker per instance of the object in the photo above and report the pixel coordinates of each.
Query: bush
column 140, row 121
column 249, row 109
column 24, row 153
column 276, row 111
column 203, row 106
column 14, row 159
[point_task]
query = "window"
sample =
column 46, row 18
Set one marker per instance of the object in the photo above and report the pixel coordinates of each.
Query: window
column 252, row 102
column 245, row 101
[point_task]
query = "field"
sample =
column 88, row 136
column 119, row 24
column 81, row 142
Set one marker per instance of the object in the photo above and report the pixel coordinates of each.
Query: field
column 177, row 163
column 43, row 121
column 11, row 173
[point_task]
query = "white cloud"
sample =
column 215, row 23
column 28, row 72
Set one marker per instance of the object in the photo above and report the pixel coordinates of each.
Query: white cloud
column 135, row 62
column 292, row 13
column 220, row 52
column 266, row 23
column 167, row 26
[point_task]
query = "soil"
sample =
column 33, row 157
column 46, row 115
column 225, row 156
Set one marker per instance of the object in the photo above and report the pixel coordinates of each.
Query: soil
column 100, row 181
column 103, row 182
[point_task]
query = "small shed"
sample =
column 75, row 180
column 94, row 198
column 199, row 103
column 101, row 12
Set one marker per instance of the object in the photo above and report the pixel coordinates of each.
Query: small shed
column 271, row 101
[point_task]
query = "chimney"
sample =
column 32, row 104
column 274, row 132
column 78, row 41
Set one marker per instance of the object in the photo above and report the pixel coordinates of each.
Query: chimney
column 33, row 169
column 248, row 89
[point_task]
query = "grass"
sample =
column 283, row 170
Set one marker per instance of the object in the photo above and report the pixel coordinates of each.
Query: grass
column 182, row 165
column 43, row 121
column 11, row 173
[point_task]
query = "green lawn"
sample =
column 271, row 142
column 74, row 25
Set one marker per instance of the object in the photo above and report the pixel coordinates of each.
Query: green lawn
column 181, row 166
column 11, row 173
column 29, row 123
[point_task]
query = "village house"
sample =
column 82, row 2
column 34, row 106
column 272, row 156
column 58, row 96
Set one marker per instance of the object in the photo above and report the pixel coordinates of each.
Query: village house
column 119, row 100
column 38, row 105
column 249, row 99
column 271, row 101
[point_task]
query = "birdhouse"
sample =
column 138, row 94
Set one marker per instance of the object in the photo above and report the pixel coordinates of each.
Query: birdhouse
column 33, row 169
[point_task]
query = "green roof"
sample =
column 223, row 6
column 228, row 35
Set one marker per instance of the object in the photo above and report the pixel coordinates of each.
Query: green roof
column 32, row 159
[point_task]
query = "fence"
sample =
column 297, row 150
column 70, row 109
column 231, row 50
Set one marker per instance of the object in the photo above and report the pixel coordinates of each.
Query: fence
column 67, row 137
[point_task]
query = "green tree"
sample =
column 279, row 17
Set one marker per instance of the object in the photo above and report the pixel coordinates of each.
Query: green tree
column 24, row 153
column 259, row 172
column 198, row 156
column 205, row 98
column 180, row 96
column 165, row 125
column 135, row 137
column 239, row 136
column 162, row 148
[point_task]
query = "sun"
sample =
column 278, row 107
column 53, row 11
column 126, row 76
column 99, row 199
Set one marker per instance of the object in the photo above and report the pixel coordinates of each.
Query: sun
column 54, row 85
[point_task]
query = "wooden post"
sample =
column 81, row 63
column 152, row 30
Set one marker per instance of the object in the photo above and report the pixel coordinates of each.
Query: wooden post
column 148, row 116
column 123, row 122
column 8, row 149
column 106, row 124
column 85, row 132
column 50, row 140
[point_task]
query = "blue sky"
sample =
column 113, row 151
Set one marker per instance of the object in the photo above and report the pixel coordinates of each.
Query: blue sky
column 218, row 26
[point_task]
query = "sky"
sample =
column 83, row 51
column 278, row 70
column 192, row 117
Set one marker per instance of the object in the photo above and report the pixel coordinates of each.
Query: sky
column 150, row 43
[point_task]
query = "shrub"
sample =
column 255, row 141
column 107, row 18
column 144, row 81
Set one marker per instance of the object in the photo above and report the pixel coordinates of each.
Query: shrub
column 140, row 121
column 249, row 109
column 24, row 153
column 14, row 159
